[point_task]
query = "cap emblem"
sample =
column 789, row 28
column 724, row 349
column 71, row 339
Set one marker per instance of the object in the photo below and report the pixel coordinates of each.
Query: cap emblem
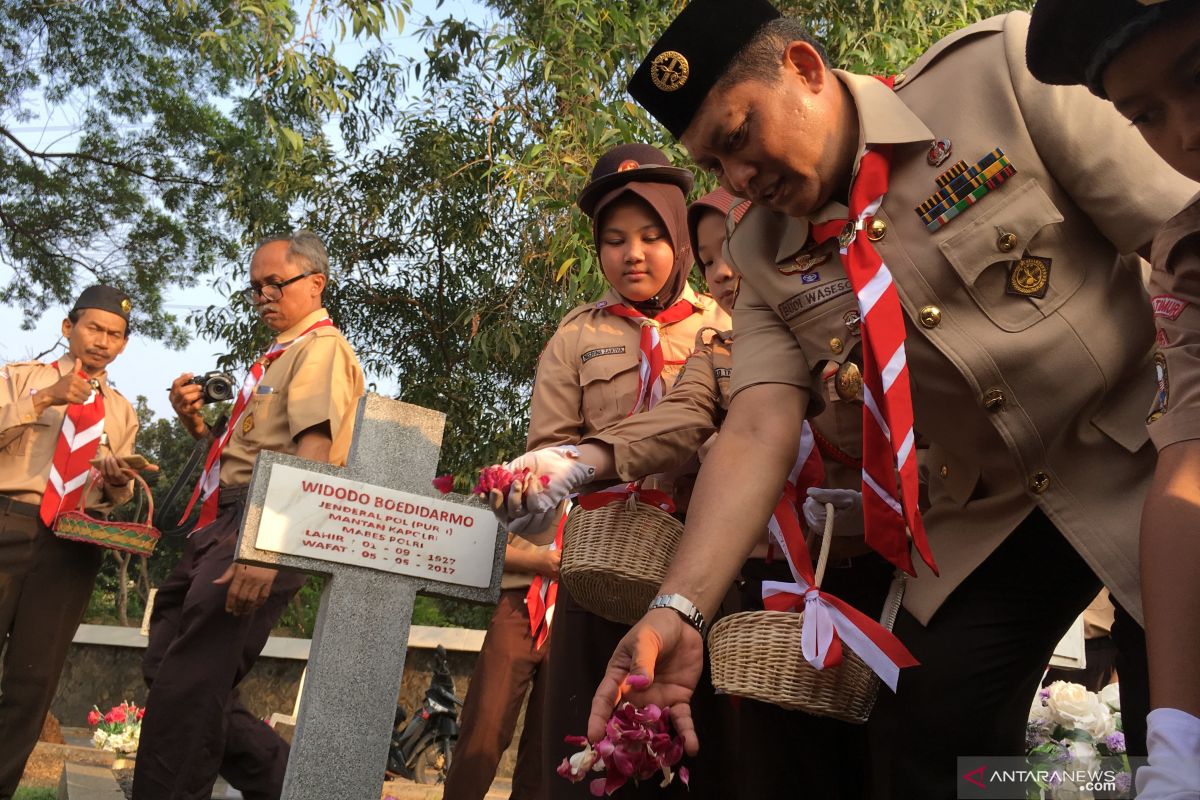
column 669, row 70
column 126, row 305
column 627, row 165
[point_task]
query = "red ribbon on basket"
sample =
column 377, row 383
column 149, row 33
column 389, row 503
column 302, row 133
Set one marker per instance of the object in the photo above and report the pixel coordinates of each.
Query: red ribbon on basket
column 828, row 621
column 625, row 493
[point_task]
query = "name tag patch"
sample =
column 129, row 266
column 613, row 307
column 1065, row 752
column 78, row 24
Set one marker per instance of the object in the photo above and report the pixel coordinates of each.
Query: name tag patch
column 1168, row 306
column 602, row 351
column 722, row 372
column 811, row 298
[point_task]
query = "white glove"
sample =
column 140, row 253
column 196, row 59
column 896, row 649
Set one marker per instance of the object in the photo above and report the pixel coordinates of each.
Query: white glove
column 1173, row 741
column 847, row 511
column 565, row 471
column 534, row 523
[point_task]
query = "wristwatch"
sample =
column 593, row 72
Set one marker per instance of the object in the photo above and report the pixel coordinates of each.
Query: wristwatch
column 684, row 608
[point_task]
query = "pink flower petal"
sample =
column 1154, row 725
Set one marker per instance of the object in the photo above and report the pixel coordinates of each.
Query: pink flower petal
column 444, row 483
column 685, row 776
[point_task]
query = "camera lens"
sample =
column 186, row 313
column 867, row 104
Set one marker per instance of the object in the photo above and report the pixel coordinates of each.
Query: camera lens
column 220, row 389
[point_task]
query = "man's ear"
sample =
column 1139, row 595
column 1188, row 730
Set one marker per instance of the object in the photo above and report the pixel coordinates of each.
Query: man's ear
column 802, row 59
column 321, row 282
column 67, row 327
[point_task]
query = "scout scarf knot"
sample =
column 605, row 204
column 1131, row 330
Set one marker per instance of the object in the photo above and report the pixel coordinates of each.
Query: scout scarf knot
column 650, row 358
column 78, row 441
column 629, row 493
column 888, row 437
column 207, row 486
column 828, row 621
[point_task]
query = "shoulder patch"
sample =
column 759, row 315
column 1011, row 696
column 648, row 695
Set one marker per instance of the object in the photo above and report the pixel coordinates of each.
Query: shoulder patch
column 1168, row 306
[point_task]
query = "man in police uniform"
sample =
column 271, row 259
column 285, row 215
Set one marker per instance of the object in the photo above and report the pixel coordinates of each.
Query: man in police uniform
column 1009, row 225
column 211, row 616
column 45, row 582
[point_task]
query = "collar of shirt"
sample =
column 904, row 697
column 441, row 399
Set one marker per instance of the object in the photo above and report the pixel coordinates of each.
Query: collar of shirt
column 883, row 118
column 613, row 297
column 297, row 329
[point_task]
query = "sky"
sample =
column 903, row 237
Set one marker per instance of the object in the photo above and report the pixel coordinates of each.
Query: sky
column 148, row 367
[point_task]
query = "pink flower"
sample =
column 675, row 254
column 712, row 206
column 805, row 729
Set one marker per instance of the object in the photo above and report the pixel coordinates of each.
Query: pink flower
column 117, row 714
column 637, row 745
column 141, row 712
column 444, row 483
column 94, row 717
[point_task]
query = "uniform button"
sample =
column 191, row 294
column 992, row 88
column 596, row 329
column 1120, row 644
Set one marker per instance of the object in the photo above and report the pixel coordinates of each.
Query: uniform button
column 900, row 78
column 993, row 399
column 930, row 316
column 1039, row 482
column 836, row 345
column 1005, row 242
column 876, row 230
column 944, row 471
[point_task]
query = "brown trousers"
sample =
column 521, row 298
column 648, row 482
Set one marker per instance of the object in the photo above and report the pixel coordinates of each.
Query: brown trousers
column 508, row 665
column 45, row 585
column 195, row 727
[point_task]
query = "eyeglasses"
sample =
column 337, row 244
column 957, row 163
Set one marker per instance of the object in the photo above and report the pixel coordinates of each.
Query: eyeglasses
column 270, row 292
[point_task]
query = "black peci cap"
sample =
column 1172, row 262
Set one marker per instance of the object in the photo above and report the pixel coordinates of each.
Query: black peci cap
column 692, row 55
column 105, row 298
column 1073, row 41
column 628, row 163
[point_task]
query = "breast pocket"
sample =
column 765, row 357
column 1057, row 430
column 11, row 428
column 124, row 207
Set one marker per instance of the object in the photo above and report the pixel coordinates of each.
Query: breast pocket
column 1006, row 224
column 252, row 426
column 609, row 384
column 18, row 444
column 951, row 479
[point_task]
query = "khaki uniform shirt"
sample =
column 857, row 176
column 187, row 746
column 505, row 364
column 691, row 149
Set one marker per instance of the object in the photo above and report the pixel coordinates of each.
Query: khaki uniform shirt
column 587, row 377
column 1025, row 403
column 1175, row 292
column 27, row 442
column 511, row 579
column 316, row 380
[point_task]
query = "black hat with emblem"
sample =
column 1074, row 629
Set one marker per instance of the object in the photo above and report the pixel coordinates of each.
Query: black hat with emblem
column 630, row 163
column 105, row 298
column 692, row 55
column 1074, row 41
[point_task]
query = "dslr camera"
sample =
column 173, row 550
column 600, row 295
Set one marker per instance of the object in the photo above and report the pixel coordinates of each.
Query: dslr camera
column 215, row 387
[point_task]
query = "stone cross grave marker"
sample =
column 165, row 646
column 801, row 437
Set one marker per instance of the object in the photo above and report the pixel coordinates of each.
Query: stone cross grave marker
column 374, row 528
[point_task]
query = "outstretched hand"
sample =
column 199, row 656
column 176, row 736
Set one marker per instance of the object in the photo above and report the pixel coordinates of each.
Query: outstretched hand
column 659, row 661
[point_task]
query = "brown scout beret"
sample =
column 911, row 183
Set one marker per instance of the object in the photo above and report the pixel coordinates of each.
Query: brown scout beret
column 692, row 55
column 1073, row 41
column 630, row 163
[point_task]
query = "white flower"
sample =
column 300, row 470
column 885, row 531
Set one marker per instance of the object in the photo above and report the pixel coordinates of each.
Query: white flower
column 1111, row 696
column 1084, row 756
column 1075, row 708
column 1039, row 712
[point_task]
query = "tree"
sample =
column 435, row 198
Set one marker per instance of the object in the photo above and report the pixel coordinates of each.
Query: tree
column 192, row 126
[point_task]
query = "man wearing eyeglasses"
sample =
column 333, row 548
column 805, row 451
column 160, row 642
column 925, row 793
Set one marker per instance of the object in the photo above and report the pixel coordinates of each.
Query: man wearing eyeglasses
column 211, row 616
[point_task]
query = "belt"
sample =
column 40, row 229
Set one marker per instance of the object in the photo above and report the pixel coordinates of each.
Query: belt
column 9, row 506
column 230, row 495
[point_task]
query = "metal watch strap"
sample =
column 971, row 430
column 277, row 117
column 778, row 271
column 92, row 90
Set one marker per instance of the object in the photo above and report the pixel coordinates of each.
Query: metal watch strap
column 684, row 608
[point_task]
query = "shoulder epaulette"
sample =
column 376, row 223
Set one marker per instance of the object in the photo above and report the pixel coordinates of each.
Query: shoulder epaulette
column 989, row 26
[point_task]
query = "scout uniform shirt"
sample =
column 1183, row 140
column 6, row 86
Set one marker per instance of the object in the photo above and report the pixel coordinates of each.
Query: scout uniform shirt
column 666, row 436
column 587, row 377
column 511, row 579
column 1029, row 395
column 27, row 442
column 316, row 380
column 1175, row 292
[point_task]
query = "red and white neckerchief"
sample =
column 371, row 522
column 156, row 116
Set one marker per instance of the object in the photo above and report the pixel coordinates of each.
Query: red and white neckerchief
column 650, row 360
column 542, row 595
column 207, row 488
column 78, row 441
column 828, row 621
column 888, row 437
column 626, row 493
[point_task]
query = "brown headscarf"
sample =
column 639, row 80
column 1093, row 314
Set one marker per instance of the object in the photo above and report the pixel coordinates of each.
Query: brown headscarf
column 669, row 203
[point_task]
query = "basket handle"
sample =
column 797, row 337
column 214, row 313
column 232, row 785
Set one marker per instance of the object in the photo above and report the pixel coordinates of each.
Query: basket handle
column 92, row 473
column 826, row 542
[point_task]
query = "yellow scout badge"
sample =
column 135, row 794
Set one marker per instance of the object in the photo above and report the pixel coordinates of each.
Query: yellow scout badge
column 1164, row 389
column 849, row 381
column 670, row 70
column 1028, row 276
column 962, row 186
column 248, row 424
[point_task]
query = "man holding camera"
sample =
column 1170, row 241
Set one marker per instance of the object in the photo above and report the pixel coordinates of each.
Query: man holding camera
column 212, row 616
column 55, row 420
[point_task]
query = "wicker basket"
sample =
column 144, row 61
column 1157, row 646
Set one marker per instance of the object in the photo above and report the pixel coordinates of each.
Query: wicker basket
column 758, row 655
column 614, row 557
column 130, row 537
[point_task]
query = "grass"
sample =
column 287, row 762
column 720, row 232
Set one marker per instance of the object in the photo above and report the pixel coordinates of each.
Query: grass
column 27, row 793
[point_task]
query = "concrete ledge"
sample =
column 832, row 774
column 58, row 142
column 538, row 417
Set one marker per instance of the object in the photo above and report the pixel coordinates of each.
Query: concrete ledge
column 46, row 762
column 421, row 637
column 84, row 782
